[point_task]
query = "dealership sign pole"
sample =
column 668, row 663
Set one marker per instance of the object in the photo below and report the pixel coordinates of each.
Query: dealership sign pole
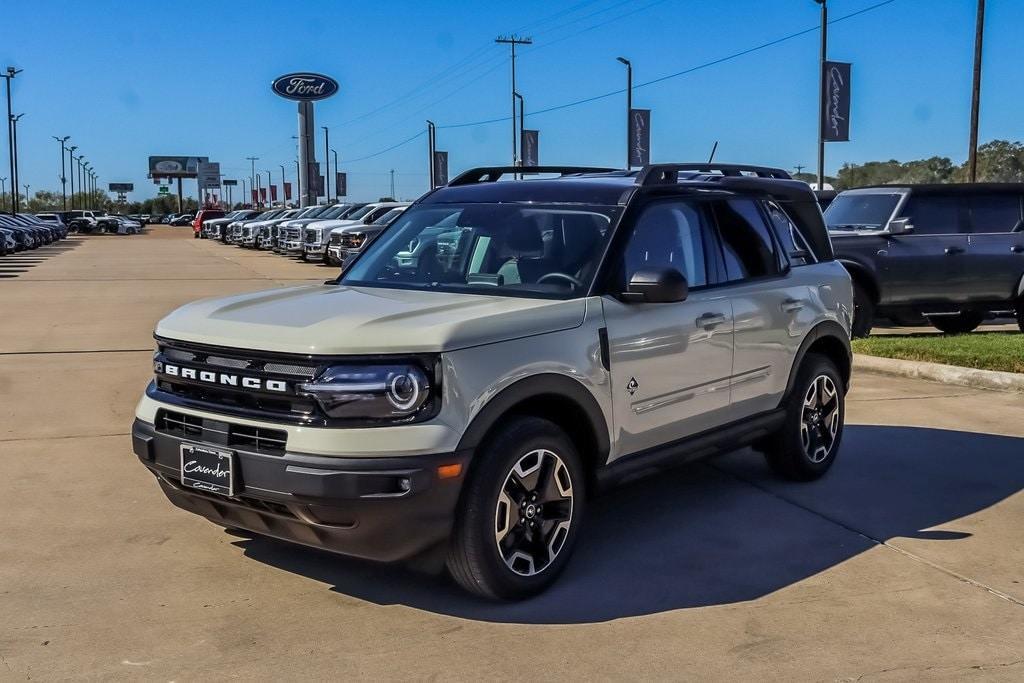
column 305, row 88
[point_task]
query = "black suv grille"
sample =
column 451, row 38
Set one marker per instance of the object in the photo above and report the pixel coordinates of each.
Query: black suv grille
column 254, row 439
column 259, row 386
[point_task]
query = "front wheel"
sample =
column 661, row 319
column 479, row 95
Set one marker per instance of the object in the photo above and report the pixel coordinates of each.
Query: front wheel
column 806, row 445
column 520, row 513
column 960, row 323
column 1020, row 316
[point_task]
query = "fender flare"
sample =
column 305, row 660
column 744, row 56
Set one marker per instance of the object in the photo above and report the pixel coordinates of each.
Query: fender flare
column 863, row 275
column 827, row 328
column 543, row 385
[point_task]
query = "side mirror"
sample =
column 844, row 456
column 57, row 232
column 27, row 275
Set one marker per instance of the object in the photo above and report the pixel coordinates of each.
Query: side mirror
column 899, row 226
column 656, row 286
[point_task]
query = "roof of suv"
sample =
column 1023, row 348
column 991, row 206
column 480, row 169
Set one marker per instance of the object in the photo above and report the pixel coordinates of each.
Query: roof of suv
column 944, row 188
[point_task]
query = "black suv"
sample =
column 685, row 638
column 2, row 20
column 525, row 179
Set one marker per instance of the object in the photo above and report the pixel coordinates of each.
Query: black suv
column 952, row 254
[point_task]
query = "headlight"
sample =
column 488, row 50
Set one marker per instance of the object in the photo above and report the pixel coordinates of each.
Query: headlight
column 353, row 240
column 401, row 392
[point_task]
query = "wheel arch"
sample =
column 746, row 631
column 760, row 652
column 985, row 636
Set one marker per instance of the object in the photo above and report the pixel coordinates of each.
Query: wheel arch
column 863, row 276
column 829, row 339
column 558, row 398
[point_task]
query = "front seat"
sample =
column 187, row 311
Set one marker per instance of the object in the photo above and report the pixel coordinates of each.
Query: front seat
column 525, row 238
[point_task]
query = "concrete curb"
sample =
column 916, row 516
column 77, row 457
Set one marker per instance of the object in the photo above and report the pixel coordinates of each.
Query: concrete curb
column 937, row 372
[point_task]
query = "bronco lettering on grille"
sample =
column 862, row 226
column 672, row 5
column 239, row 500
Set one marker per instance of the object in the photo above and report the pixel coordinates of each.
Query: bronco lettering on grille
column 221, row 378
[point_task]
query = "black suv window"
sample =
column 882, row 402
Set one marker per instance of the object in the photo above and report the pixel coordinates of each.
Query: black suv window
column 995, row 213
column 668, row 235
column 747, row 245
column 936, row 214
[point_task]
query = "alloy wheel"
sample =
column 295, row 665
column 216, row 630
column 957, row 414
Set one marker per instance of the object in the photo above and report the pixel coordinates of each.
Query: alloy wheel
column 819, row 419
column 534, row 512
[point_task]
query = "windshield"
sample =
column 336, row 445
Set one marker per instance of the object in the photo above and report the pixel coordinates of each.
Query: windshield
column 861, row 210
column 524, row 250
column 359, row 213
column 334, row 212
column 389, row 216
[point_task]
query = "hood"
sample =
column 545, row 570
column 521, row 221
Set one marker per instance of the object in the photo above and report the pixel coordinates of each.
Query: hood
column 341, row 320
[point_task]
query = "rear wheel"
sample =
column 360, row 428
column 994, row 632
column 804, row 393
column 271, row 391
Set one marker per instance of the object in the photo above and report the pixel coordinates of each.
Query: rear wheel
column 806, row 445
column 521, row 512
column 960, row 323
column 863, row 311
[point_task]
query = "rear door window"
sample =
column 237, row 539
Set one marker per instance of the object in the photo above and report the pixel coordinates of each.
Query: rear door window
column 747, row 246
column 936, row 214
column 789, row 237
column 995, row 213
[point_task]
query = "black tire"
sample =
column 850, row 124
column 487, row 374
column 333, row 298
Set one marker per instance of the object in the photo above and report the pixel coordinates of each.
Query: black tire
column 1020, row 316
column 961, row 323
column 502, row 569
column 795, row 451
column 863, row 311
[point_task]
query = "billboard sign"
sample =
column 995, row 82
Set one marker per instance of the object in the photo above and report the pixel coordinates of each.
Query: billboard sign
column 836, row 109
column 208, row 175
column 639, row 137
column 175, row 167
column 121, row 187
column 226, row 182
column 304, row 86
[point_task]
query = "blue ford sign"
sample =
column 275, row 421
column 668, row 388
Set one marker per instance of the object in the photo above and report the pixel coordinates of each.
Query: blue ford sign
column 305, row 86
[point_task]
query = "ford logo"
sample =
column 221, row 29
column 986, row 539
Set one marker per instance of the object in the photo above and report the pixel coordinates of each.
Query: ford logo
column 305, row 86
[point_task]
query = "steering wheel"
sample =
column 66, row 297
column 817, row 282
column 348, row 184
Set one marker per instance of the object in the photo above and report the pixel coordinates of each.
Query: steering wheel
column 561, row 276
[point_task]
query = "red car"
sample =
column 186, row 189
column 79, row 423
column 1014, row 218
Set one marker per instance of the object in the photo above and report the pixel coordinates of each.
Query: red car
column 203, row 216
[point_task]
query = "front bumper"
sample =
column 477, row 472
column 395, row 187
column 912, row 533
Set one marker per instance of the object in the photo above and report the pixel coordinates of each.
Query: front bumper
column 293, row 246
column 314, row 249
column 353, row 506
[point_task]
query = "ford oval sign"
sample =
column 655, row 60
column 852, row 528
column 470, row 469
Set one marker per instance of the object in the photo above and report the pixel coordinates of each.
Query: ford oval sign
column 305, row 86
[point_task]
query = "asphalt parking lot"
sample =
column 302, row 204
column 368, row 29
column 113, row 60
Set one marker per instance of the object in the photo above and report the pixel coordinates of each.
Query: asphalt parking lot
column 905, row 562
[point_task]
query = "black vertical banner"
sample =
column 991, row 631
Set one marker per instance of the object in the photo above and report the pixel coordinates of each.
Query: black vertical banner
column 837, row 102
column 639, row 137
column 530, row 152
column 341, row 184
column 316, row 181
column 440, row 168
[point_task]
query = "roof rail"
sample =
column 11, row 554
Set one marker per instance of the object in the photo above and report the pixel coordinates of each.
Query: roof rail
column 493, row 173
column 668, row 174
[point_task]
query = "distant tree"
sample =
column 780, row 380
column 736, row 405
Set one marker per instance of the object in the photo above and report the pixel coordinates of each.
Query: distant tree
column 999, row 161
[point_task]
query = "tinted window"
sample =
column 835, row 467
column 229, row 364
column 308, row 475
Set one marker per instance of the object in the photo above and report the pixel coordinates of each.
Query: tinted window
column 747, row 245
column 995, row 212
column 861, row 210
column 789, row 237
column 935, row 214
column 667, row 235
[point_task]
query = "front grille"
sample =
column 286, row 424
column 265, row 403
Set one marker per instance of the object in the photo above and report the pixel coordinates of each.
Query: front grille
column 335, row 240
column 261, row 440
column 312, row 236
column 293, row 234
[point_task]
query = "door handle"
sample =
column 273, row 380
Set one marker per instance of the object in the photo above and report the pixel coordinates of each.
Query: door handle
column 709, row 320
column 951, row 251
column 791, row 305
column 1017, row 249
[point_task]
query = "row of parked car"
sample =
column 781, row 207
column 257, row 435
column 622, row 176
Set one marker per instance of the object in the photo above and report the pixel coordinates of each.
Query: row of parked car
column 22, row 231
column 328, row 234
column 86, row 222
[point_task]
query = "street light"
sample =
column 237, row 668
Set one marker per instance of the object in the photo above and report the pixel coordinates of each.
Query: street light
column 821, row 93
column 270, row 182
column 335, row 153
column 81, row 181
column 253, row 178
column 11, row 73
column 71, row 155
column 284, row 200
column 63, row 180
column 629, row 102
column 327, row 163
column 14, row 149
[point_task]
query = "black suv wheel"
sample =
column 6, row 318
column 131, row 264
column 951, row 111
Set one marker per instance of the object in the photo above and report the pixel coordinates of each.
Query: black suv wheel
column 808, row 442
column 521, row 512
column 960, row 323
column 863, row 311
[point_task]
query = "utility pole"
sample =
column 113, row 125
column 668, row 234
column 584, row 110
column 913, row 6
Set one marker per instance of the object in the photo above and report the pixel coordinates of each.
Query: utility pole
column 392, row 195
column 11, row 73
column 327, row 163
column 629, row 103
column 821, row 93
column 252, row 180
column 431, row 132
column 979, row 34
column 799, row 169
column 14, row 149
column 512, row 40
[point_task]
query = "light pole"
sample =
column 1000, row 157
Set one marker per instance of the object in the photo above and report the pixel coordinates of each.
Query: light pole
column 14, row 149
column 270, row 182
column 3, row 186
column 522, row 125
column 81, row 182
column 337, row 198
column 629, row 102
column 979, row 34
column 821, row 93
column 11, row 73
column 327, row 163
column 26, row 186
column 284, row 202
column 431, row 142
column 513, row 41
column 71, row 156
column 63, row 180
column 392, row 195
column 245, row 193
column 88, row 186
column 252, row 180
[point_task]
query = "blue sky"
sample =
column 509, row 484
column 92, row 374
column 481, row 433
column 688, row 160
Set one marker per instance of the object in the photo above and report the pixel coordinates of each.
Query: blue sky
column 131, row 79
